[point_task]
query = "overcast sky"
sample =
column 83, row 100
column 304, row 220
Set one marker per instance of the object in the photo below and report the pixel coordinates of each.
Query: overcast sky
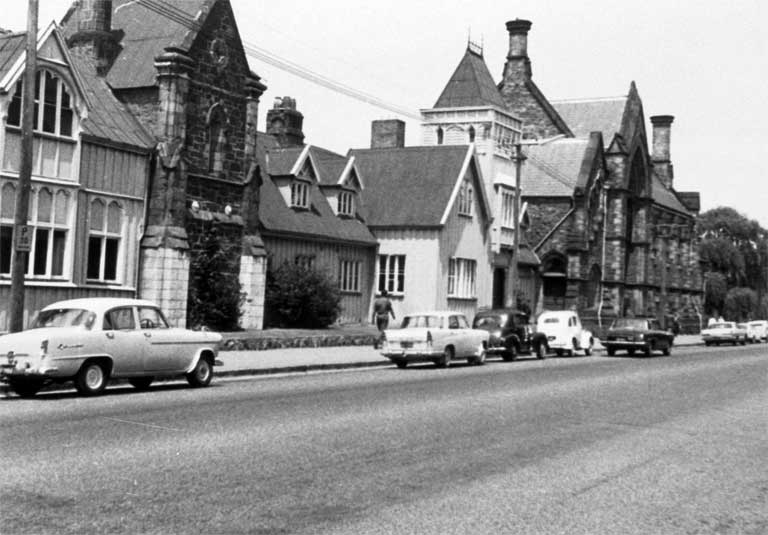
column 704, row 63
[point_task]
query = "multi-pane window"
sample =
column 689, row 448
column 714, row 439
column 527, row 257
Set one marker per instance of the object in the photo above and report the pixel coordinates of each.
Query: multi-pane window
column 508, row 209
column 300, row 194
column 349, row 276
column 48, row 218
column 346, row 203
column 390, row 273
column 53, row 143
column 104, row 237
column 466, row 194
column 461, row 277
column 304, row 260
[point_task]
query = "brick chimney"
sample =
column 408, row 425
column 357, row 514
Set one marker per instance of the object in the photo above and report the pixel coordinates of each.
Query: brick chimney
column 388, row 134
column 285, row 122
column 518, row 64
column 662, row 164
column 93, row 33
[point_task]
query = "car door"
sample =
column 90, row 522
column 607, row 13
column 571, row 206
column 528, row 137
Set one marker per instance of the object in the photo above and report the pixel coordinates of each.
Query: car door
column 165, row 348
column 123, row 341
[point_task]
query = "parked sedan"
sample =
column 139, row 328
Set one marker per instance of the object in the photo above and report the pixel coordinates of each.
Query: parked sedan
column 439, row 337
column 510, row 333
column 564, row 332
column 91, row 341
column 638, row 334
column 724, row 332
column 758, row 329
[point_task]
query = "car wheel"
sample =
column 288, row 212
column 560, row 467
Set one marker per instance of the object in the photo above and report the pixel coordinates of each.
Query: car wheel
column 541, row 351
column 480, row 359
column 630, row 352
column 401, row 363
column 667, row 350
column 559, row 352
column 707, row 344
column 202, row 374
column 588, row 349
column 511, row 353
column 141, row 383
column 26, row 388
column 91, row 380
column 445, row 360
column 611, row 351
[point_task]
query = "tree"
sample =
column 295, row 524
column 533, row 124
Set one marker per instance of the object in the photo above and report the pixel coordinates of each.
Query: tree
column 215, row 292
column 300, row 296
column 740, row 304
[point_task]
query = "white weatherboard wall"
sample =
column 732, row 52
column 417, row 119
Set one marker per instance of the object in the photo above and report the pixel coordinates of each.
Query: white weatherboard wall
column 421, row 250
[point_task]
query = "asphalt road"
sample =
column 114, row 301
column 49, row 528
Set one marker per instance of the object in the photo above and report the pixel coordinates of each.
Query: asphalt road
column 592, row 445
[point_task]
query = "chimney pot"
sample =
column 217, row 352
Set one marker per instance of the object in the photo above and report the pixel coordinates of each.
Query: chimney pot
column 660, row 154
column 518, row 38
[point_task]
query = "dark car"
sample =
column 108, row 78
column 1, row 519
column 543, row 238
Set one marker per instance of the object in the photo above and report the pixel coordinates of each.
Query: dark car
column 638, row 334
column 511, row 333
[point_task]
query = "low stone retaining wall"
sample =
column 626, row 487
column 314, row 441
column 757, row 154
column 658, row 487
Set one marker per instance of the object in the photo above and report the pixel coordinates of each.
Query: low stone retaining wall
column 321, row 340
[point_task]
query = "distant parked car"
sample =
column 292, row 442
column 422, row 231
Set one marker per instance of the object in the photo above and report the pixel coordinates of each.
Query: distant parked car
column 564, row 332
column 511, row 333
column 758, row 329
column 638, row 334
column 724, row 332
column 439, row 337
column 90, row 341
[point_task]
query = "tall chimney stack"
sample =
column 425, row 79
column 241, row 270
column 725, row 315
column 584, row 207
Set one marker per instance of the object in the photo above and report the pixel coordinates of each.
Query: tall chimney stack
column 660, row 156
column 285, row 123
column 518, row 62
column 93, row 33
column 387, row 134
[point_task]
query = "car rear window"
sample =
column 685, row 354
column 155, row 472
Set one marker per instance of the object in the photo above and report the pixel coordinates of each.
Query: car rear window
column 421, row 321
column 630, row 323
column 490, row 321
column 65, row 317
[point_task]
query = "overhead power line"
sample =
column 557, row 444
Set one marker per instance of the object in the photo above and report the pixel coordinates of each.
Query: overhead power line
column 184, row 19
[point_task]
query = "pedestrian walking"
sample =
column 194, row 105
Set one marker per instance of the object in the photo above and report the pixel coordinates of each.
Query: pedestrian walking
column 382, row 309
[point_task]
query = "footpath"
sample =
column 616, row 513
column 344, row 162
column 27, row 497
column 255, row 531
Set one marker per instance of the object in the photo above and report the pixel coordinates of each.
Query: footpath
column 279, row 351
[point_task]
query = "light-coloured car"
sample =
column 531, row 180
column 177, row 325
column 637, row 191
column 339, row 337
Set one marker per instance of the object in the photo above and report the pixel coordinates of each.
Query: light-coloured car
column 757, row 330
column 439, row 336
column 564, row 332
column 90, row 341
column 725, row 332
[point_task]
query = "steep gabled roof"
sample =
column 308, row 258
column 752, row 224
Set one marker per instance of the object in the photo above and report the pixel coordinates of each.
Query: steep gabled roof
column 666, row 197
column 11, row 46
column 413, row 186
column 317, row 223
column 593, row 115
column 146, row 35
column 553, row 169
column 108, row 119
column 470, row 85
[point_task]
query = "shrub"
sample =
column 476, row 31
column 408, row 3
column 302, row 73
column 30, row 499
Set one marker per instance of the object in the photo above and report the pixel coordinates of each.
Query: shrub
column 215, row 292
column 299, row 296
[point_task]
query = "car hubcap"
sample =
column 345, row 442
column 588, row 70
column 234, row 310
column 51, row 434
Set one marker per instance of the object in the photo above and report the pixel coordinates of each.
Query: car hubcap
column 94, row 377
column 203, row 371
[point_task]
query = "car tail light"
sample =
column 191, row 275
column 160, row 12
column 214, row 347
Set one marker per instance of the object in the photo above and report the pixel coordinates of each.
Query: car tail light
column 429, row 339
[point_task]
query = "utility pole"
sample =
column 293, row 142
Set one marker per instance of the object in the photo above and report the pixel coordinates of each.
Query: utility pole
column 518, row 160
column 21, row 231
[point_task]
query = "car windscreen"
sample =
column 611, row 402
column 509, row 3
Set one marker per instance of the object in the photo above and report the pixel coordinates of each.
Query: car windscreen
column 490, row 321
column 65, row 317
column 422, row 321
column 630, row 323
column 722, row 326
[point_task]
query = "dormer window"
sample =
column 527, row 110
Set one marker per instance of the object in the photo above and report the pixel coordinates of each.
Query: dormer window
column 299, row 194
column 346, row 204
column 466, row 195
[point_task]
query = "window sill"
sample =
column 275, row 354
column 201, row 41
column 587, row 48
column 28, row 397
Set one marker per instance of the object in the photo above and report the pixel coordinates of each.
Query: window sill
column 458, row 298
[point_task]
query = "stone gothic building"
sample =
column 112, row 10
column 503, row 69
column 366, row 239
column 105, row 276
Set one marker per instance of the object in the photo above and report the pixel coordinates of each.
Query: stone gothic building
column 613, row 234
column 184, row 75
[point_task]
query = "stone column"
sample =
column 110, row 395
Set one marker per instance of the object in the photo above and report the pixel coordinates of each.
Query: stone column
column 253, row 263
column 164, row 263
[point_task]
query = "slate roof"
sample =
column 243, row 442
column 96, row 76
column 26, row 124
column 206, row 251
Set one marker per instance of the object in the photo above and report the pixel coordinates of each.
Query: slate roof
column 553, row 169
column 666, row 197
column 108, row 118
column 409, row 187
column 146, row 35
column 11, row 45
column 470, row 85
column 319, row 222
column 278, row 161
column 593, row 115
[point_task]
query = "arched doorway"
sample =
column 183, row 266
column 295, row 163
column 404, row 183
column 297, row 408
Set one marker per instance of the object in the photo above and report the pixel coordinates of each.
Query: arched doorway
column 554, row 277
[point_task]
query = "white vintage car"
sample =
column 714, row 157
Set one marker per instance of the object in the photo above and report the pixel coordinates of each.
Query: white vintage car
column 564, row 332
column 439, row 337
column 90, row 341
column 757, row 331
column 724, row 332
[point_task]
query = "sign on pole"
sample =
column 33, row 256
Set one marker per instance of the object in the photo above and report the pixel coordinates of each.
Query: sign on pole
column 23, row 238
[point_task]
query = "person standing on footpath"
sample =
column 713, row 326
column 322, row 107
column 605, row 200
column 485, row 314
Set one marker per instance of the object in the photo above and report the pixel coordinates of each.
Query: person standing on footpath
column 382, row 308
